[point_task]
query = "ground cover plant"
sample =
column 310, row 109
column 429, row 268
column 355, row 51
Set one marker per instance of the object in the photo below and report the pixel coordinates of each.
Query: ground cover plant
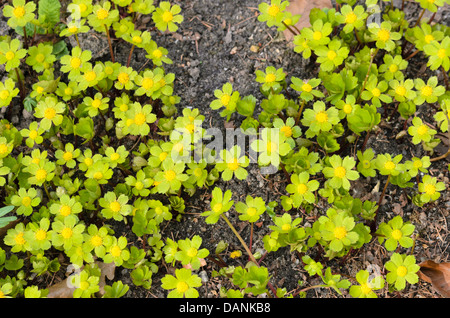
column 109, row 147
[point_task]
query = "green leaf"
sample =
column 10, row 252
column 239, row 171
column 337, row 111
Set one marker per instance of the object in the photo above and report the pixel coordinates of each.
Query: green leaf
column 84, row 128
column 49, row 11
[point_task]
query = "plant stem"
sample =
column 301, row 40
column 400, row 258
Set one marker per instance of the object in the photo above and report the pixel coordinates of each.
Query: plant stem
column 109, row 43
column 308, row 288
column 129, row 55
column 300, row 112
column 25, row 36
column 252, row 258
column 289, row 28
column 368, row 73
column 78, row 41
column 21, row 87
column 412, row 54
column 357, row 36
column 380, row 200
column 420, row 18
column 445, row 155
column 251, row 238
column 447, row 86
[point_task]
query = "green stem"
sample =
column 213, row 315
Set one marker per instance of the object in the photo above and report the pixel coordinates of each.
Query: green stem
column 46, row 190
column 252, row 258
column 78, row 41
column 368, row 73
column 109, row 43
column 300, row 112
column 250, row 254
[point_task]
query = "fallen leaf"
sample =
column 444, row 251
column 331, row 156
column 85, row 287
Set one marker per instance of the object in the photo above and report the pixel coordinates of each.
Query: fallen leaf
column 202, row 263
column 303, row 7
column 438, row 275
column 65, row 289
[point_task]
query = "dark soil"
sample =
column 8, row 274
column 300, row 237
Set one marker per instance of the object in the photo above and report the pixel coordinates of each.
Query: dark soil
column 212, row 47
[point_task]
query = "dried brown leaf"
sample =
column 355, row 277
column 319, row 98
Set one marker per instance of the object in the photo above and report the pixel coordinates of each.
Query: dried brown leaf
column 64, row 289
column 303, row 7
column 438, row 275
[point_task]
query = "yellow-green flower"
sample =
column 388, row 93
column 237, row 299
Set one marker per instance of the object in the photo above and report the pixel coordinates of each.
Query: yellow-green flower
column 80, row 8
column 319, row 119
column 251, row 209
column 141, row 117
column 302, row 188
column 40, row 57
column 102, row 16
column 5, row 147
column 353, row 18
column 396, row 232
column 367, row 286
column 50, row 111
column 74, row 62
column 67, row 232
column 430, row 188
column 65, row 206
column 233, row 164
column 402, row 90
column 20, row 13
column 182, row 284
column 15, row 238
column 11, row 53
column 67, row 91
column 272, row 13
column 392, row 67
column 116, row 156
column 165, row 16
column 157, row 54
column 90, row 76
column 100, row 172
column 115, row 207
column 420, row 131
column 125, row 78
column 402, row 268
column 143, row 6
column 123, row 27
column 137, row 38
column 307, row 88
column 75, row 27
column 8, row 91
column 439, row 54
column 387, row 165
column 96, row 104
column 331, row 56
column 67, row 156
column 25, row 200
column 39, row 235
column 170, row 178
column 117, row 251
column 147, row 82
column 383, row 35
column 220, row 203
column 340, row 172
column 429, row 91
